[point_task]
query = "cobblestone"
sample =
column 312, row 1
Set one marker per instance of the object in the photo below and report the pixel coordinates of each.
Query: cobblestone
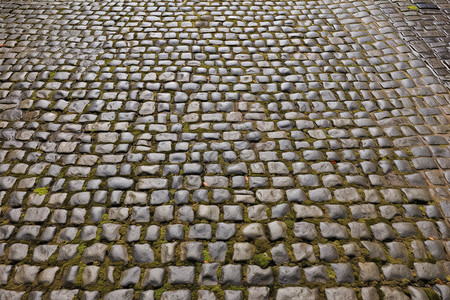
column 429, row 39
column 224, row 150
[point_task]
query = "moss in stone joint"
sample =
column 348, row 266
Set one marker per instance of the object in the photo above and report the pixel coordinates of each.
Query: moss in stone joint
column 79, row 279
column 81, row 248
column 206, row 255
column 432, row 295
column 216, row 290
column 262, row 245
column 262, row 260
column 289, row 223
column 116, row 275
column 41, row 191
column 431, row 259
column 331, row 273
column 370, row 222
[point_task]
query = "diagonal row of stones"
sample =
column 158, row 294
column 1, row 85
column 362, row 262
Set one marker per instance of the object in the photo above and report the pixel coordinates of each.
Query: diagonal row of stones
column 218, row 150
column 429, row 37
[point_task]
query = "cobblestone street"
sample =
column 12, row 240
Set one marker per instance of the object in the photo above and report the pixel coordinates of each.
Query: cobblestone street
column 228, row 150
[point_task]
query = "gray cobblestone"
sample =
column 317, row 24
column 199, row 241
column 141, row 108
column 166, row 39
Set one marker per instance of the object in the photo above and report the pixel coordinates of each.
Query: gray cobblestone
column 223, row 150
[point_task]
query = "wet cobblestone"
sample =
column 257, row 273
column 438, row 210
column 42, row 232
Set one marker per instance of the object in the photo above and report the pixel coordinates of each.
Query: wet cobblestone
column 220, row 150
column 424, row 25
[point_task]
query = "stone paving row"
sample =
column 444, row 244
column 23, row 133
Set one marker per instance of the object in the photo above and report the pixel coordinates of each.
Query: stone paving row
column 219, row 150
column 426, row 30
